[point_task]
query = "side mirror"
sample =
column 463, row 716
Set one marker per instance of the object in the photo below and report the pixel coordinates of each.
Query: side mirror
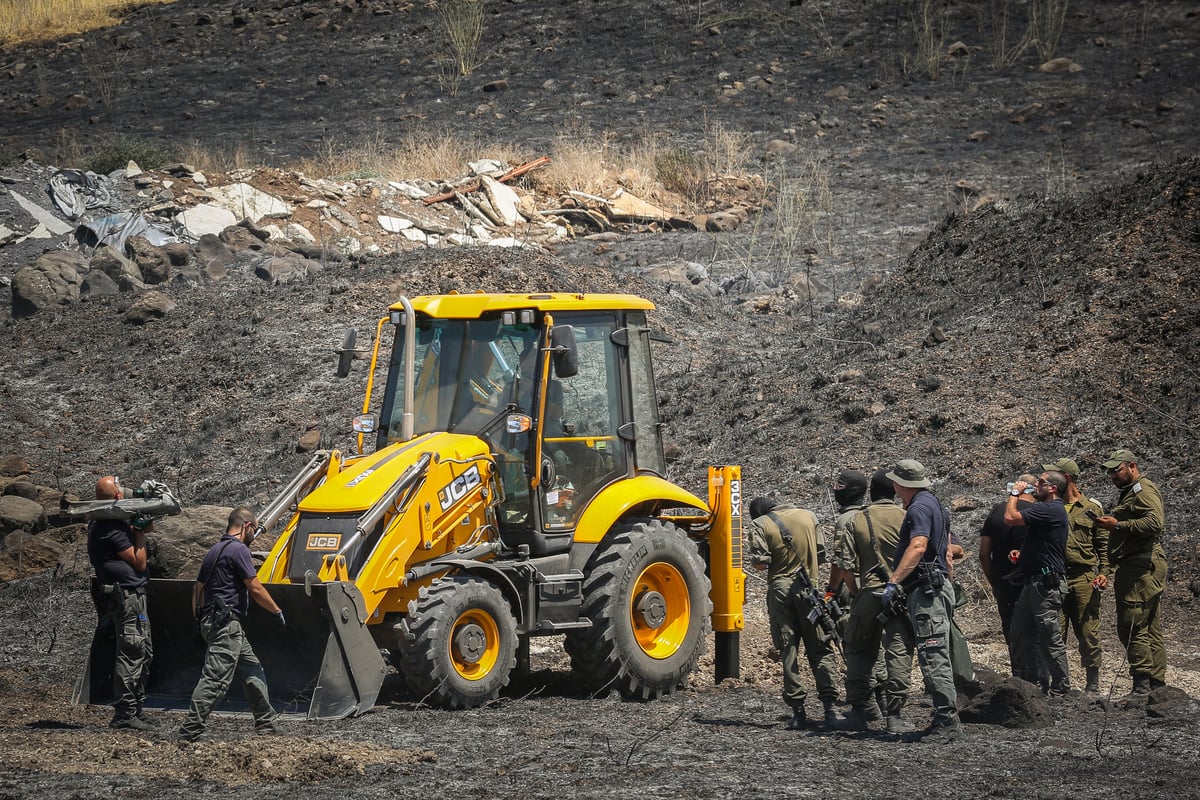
column 564, row 353
column 346, row 354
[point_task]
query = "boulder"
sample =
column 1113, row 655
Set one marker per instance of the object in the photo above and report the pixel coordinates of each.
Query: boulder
column 213, row 256
column 22, row 488
column 97, row 282
column 176, row 545
column 52, row 279
column 152, row 261
column 113, row 263
column 21, row 514
column 178, row 253
column 151, row 305
column 23, row 554
column 13, row 466
column 290, row 268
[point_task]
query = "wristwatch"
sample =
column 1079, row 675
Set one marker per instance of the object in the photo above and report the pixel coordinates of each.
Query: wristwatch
column 1015, row 494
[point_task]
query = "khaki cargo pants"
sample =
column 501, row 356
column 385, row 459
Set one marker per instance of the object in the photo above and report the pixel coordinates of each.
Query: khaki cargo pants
column 229, row 655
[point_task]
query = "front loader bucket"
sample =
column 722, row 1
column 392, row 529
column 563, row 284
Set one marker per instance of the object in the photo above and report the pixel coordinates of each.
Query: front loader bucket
column 324, row 664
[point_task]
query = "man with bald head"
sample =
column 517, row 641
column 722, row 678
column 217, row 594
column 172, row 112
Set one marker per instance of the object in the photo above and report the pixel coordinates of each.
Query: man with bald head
column 117, row 550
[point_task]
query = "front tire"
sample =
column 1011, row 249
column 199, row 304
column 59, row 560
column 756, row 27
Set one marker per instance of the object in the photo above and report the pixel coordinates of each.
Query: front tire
column 647, row 597
column 458, row 643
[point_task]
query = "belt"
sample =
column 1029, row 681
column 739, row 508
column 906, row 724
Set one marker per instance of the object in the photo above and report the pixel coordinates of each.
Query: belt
column 1075, row 570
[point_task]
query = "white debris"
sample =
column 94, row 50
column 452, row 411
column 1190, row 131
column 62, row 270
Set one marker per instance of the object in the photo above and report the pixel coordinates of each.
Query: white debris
column 504, row 200
column 206, row 218
column 394, row 224
column 298, row 233
column 487, row 166
column 408, row 189
column 249, row 203
column 43, row 216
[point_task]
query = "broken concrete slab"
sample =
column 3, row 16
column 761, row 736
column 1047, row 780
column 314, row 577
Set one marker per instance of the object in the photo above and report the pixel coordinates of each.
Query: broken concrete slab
column 206, row 218
column 626, row 206
column 503, row 199
column 394, row 224
column 246, row 202
column 43, row 216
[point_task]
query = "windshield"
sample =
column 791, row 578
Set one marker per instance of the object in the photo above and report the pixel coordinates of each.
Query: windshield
column 466, row 374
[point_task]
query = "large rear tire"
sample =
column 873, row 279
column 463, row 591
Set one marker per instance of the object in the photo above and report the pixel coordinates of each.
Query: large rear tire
column 458, row 643
column 647, row 597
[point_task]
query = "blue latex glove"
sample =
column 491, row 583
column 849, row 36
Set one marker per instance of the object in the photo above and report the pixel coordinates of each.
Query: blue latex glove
column 889, row 594
column 280, row 619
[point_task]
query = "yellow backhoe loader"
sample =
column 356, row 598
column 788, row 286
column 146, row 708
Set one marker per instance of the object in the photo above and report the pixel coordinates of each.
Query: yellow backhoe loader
column 515, row 487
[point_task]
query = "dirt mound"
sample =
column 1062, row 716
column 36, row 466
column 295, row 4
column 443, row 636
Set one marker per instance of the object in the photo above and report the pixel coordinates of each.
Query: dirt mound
column 1042, row 324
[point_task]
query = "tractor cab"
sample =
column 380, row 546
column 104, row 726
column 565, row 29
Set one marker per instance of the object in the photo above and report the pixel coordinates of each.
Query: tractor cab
column 563, row 398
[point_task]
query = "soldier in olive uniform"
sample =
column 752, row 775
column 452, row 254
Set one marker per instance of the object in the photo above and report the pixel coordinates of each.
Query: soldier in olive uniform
column 785, row 538
column 874, row 649
column 1135, row 527
column 1087, row 571
column 850, row 494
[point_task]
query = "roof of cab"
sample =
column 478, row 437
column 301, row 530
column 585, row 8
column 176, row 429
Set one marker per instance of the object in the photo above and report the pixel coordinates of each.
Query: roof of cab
column 473, row 306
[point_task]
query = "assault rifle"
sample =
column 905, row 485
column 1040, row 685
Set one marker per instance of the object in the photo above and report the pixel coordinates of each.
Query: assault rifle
column 152, row 499
column 824, row 615
column 897, row 608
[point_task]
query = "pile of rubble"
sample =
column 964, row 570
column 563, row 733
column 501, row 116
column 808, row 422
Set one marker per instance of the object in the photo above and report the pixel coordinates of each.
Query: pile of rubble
column 134, row 230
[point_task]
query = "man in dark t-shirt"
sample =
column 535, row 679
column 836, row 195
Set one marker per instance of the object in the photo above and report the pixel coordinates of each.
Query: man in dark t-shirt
column 996, row 540
column 220, row 600
column 1037, row 643
column 117, row 550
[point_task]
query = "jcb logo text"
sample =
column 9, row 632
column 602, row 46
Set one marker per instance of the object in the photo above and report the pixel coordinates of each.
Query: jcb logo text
column 457, row 489
column 324, row 541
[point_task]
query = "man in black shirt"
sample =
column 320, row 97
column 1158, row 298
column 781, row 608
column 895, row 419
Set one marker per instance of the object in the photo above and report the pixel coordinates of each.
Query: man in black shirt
column 996, row 540
column 117, row 550
column 1036, row 633
column 220, row 600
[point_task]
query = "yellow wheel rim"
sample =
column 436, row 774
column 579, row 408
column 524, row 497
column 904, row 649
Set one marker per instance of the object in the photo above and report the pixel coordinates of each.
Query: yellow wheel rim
column 660, row 610
column 474, row 644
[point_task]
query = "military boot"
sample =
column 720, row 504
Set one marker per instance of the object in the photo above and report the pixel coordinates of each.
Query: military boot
column 854, row 720
column 1141, row 686
column 831, row 717
column 897, row 725
column 871, row 711
column 1093, row 681
column 799, row 720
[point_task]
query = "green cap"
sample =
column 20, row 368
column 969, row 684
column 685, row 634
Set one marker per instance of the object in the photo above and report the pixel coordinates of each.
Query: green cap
column 911, row 474
column 1066, row 466
column 1119, row 457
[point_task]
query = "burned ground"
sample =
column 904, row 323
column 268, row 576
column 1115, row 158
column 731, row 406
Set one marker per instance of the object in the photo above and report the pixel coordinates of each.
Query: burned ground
column 985, row 303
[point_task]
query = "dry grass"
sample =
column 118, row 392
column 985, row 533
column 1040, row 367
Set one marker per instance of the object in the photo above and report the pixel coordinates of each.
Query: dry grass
column 462, row 25
column 429, row 155
column 39, row 20
column 653, row 163
column 213, row 160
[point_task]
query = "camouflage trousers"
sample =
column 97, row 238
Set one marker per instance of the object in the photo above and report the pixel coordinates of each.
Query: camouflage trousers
column 1081, row 614
column 790, row 629
column 878, row 654
column 229, row 655
column 931, row 617
column 135, row 651
column 1036, row 637
column 1138, row 586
